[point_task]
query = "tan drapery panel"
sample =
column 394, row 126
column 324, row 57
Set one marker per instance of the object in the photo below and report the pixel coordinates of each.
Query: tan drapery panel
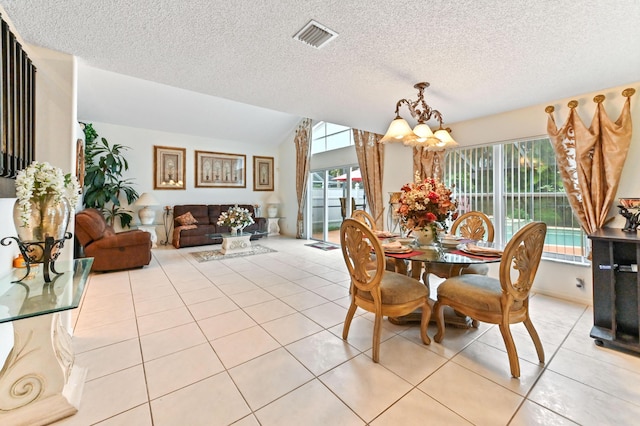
column 371, row 160
column 591, row 159
column 302, row 141
column 430, row 164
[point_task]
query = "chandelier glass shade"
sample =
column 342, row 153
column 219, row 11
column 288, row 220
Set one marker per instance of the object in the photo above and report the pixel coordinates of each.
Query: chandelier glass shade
column 421, row 135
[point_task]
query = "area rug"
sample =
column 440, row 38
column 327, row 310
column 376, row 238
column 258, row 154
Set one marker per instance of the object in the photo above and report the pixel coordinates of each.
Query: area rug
column 207, row 255
column 323, row 246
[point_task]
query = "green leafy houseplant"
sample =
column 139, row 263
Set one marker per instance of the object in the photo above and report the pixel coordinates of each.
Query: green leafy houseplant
column 103, row 181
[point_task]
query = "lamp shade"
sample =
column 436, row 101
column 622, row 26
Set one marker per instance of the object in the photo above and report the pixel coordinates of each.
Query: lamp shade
column 423, row 132
column 445, row 138
column 273, row 199
column 399, row 131
column 146, row 199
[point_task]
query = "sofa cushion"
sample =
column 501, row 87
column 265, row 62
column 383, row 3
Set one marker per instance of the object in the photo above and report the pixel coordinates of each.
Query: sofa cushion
column 186, row 219
column 199, row 211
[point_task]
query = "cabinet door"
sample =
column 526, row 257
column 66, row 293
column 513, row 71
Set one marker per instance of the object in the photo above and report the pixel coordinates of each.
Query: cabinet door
column 603, row 284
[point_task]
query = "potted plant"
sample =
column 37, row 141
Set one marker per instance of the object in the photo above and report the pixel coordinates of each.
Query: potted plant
column 104, row 184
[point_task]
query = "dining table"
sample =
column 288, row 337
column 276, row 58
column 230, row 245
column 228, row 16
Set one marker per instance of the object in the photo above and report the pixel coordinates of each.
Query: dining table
column 452, row 259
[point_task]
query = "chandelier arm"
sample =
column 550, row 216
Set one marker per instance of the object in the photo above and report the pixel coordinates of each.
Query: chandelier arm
column 399, row 104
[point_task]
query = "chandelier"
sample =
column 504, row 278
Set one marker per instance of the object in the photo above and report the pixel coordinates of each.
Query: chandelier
column 421, row 135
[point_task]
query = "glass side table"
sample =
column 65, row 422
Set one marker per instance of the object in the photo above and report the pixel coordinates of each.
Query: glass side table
column 39, row 383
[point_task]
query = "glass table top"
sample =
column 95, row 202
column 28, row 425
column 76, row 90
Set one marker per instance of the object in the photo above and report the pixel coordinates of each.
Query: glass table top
column 32, row 296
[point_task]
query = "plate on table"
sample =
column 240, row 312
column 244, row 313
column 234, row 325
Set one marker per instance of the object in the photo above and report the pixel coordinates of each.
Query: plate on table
column 480, row 250
column 398, row 250
column 384, row 234
column 450, row 242
column 405, row 241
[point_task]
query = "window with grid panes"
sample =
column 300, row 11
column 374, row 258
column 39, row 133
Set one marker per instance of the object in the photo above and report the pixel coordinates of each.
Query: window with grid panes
column 515, row 183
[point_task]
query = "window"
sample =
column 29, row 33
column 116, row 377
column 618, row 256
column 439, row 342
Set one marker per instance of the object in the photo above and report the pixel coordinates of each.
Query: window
column 327, row 136
column 516, row 183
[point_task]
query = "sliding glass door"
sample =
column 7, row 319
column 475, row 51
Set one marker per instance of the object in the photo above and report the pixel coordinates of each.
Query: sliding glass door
column 334, row 194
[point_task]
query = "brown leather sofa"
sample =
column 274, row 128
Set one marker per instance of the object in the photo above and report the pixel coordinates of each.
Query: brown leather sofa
column 111, row 251
column 206, row 230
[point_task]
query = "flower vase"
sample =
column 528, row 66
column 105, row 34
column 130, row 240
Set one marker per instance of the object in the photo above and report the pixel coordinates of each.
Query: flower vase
column 49, row 217
column 426, row 236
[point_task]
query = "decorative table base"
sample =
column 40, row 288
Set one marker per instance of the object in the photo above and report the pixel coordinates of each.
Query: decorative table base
column 235, row 243
column 40, row 383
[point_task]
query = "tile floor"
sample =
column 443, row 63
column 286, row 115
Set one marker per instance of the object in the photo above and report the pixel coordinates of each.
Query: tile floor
column 257, row 340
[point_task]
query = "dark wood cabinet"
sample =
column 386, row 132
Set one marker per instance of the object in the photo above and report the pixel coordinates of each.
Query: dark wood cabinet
column 616, row 284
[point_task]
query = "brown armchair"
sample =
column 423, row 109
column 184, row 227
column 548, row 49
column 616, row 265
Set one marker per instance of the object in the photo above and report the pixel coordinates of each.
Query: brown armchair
column 111, row 251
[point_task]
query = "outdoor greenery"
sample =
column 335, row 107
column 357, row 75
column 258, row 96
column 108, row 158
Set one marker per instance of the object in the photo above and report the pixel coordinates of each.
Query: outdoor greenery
column 104, row 184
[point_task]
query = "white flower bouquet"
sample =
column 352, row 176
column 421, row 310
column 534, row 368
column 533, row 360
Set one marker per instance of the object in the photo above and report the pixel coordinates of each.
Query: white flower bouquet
column 235, row 217
column 41, row 179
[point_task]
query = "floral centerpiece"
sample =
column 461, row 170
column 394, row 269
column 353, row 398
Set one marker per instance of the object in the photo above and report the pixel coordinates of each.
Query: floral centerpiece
column 41, row 184
column 236, row 217
column 426, row 205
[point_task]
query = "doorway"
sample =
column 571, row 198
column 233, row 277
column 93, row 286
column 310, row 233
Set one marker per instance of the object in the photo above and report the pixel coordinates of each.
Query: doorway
column 334, row 194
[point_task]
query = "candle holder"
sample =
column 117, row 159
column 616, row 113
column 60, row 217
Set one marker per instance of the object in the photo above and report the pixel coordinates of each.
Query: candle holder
column 45, row 252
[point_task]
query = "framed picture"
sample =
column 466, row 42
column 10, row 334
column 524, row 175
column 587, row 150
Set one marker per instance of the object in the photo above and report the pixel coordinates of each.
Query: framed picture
column 262, row 173
column 168, row 167
column 220, row 170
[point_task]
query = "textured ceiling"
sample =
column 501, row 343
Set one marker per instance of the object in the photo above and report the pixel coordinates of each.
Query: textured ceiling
column 480, row 56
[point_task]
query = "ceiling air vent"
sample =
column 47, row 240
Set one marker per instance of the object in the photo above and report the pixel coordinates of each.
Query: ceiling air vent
column 315, row 35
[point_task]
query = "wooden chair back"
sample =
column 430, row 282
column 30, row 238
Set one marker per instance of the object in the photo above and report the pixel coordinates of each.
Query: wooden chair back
column 474, row 225
column 520, row 261
column 364, row 217
column 363, row 255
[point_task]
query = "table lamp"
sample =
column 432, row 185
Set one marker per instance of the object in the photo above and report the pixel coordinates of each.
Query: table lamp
column 273, row 201
column 146, row 215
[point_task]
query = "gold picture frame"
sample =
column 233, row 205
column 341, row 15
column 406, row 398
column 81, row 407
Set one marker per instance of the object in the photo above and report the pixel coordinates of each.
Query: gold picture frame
column 262, row 173
column 169, row 165
column 220, row 170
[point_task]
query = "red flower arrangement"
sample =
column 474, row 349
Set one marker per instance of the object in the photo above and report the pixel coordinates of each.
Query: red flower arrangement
column 423, row 203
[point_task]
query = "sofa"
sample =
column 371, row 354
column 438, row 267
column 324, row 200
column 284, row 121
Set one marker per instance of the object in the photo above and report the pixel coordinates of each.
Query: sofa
column 203, row 228
column 111, row 251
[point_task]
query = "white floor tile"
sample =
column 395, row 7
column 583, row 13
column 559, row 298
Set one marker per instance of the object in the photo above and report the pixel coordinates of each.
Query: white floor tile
column 294, row 409
column 180, row 369
column 417, row 408
column 581, row 403
column 478, row 400
column 264, row 379
column 366, row 387
column 212, row 401
column 244, row 345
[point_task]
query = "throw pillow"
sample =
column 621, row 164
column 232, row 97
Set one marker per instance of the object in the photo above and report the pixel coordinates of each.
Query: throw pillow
column 186, row 219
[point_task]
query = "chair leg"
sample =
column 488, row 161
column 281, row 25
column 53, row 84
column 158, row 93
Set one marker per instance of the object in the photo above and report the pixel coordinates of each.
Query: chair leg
column 514, row 363
column 377, row 326
column 424, row 322
column 347, row 321
column 536, row 339
column 439, row 310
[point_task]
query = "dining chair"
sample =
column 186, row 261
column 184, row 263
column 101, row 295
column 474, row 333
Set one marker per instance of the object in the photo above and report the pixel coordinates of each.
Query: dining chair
column 377, row 290
column 473, row 225
column 502, row 301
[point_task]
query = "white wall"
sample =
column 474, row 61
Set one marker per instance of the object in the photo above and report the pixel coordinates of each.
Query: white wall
column 140, row 158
